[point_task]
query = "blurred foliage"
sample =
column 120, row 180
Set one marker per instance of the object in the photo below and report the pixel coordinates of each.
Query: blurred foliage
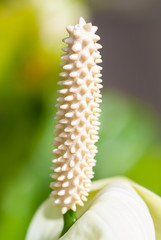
column 26, row 86
column 147, row 170
column 127, row 130
column 129, row 142
column 28, row 76
column 129, row 135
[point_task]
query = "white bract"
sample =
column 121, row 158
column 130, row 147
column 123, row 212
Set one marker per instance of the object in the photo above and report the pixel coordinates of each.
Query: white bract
column 117, row 209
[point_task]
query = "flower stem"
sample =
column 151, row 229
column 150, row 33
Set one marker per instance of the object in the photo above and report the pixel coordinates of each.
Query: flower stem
column 69, row 219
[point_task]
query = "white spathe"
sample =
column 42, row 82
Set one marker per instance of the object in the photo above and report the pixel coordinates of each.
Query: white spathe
column 118, row 209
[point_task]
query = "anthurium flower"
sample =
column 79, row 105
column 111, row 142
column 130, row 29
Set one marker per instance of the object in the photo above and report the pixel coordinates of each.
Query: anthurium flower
column 117, row 209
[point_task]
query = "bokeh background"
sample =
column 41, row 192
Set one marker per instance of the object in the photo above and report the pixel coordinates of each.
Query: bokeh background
column 130, row 134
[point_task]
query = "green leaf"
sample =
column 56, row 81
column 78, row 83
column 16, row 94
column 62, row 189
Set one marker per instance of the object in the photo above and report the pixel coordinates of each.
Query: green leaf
column 148, row 170
column 127, row 130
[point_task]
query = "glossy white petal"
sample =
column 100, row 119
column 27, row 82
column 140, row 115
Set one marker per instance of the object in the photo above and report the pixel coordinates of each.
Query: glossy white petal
column 152, row 200
column 117, row 209
column 117, row 213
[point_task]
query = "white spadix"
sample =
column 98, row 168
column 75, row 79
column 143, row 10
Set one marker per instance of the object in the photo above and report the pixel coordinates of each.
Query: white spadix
column 77, row 117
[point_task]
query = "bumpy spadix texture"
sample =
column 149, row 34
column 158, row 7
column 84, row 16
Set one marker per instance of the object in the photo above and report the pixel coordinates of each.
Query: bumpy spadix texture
column 77, row 116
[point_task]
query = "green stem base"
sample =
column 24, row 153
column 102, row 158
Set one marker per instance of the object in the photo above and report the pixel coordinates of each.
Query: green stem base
column 69, row 219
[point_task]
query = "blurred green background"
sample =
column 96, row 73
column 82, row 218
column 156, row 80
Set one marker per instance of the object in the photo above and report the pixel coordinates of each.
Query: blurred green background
column 30, row 48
